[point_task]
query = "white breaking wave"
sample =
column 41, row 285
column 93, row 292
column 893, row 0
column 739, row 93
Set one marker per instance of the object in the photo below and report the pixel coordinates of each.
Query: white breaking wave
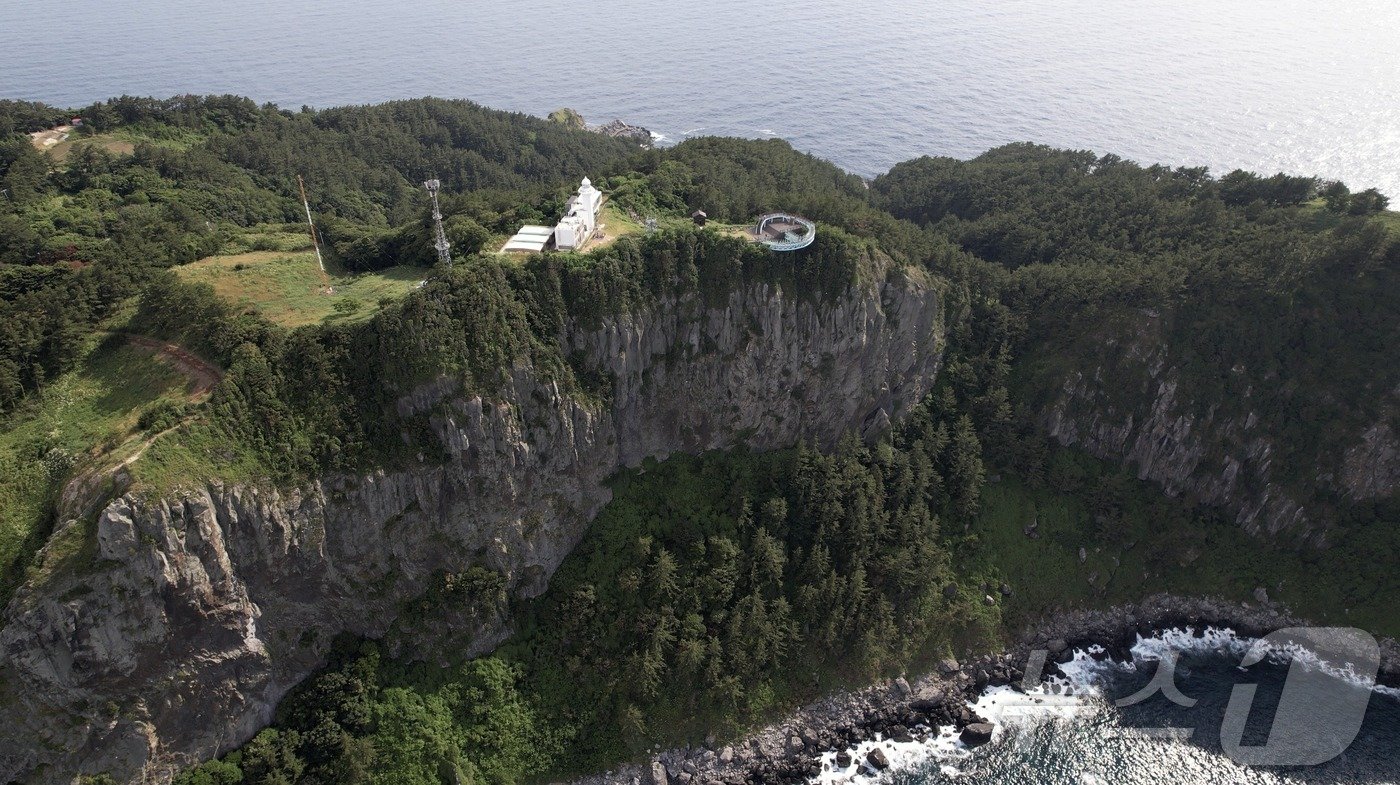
column 941, row 743
column 1226, row 641
column 1058, row 698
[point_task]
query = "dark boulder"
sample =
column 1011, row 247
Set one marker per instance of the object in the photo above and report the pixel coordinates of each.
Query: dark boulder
column 927, row 705
column 976, row 734
column 877, row 760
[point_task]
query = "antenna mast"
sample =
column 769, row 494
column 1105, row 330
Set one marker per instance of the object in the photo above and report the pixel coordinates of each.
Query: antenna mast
column 315, row 243
column 439, row 237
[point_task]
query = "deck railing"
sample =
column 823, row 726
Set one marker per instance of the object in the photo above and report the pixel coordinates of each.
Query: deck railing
column 790, row 241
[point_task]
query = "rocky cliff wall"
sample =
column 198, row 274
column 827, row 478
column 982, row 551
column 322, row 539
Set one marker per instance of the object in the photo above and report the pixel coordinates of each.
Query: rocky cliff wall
column 174, row 640
column 1131, row 403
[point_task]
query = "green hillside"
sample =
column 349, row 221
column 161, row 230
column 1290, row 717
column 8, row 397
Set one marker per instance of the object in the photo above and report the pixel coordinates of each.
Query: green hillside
column 715, row 591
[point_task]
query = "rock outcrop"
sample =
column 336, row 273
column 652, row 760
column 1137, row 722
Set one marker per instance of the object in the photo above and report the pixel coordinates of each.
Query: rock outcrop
column 620, row 130
column 1371, row 468
column 1134, row 406
column 171, row 638
column 614, row 128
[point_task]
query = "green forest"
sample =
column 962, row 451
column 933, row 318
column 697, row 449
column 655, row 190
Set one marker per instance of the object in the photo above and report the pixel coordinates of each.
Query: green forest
column 717, row 590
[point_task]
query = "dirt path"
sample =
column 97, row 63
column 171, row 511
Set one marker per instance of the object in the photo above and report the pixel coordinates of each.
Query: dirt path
column 202, row 374
column 95, row 485
column 43, row 140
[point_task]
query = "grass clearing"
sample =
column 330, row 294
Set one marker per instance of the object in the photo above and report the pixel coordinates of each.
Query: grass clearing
column 281, row 281
column 615, row 223
column 194, row 453
column 108, row 142
column 123, row 141
column 82, row 419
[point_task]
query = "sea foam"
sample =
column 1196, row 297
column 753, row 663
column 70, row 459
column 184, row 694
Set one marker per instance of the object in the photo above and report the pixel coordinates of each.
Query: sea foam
column 1058, row 697
column 1076, row 690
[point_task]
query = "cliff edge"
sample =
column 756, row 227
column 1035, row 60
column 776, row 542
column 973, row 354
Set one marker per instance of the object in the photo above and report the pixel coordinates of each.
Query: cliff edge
column 189, row 616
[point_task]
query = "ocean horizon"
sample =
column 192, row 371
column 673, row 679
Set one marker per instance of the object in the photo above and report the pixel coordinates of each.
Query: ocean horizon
column 1291, row 86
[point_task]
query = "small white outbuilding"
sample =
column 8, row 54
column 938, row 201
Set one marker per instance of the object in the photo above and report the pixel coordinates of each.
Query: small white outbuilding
column 530, row 239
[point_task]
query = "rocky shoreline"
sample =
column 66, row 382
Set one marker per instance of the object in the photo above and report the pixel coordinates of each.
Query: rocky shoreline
column 620, row 130
column 614, row 128
column 902, row 709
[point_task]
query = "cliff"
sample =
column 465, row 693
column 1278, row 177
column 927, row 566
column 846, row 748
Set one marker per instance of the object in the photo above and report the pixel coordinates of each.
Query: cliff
column 1129, row 400
column 172, row 637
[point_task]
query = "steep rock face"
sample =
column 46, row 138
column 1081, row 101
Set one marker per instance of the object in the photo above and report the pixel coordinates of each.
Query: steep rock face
column 1371, row 469
column 176, row 639
column 1132, row 406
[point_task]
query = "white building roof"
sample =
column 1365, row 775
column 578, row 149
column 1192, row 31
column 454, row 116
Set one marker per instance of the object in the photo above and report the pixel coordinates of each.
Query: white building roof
column 526, row 244
column 530, row 239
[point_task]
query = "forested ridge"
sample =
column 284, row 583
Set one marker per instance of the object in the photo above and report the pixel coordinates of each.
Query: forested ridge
column 715, row 590
column 205, row 166
column 1276, row 293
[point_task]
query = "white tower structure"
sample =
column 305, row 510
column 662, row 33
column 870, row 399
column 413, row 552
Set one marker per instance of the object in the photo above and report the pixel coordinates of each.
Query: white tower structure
column 588, row 200
column 580, row 217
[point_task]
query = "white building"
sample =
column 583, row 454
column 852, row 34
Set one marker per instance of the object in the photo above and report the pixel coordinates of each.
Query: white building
column 580, row 217
column 571, row 232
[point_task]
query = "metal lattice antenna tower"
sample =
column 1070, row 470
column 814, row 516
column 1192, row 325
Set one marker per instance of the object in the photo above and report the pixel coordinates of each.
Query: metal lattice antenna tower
column 439, row 236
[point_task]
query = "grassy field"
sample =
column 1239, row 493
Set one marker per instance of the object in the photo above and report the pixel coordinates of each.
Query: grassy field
column 284, row 284
column 109, row 142
column 615, row 224
column 196, row 453
column 81, row 419
column 123, row 141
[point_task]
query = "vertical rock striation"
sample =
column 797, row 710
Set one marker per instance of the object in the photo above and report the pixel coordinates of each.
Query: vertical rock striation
column 1131, row 405
column 174, row 640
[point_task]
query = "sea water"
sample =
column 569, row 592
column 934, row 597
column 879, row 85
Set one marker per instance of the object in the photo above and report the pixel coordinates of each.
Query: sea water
column 1300, row 86
column 1071, row 731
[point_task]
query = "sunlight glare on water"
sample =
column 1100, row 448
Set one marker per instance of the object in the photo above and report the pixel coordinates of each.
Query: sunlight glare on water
column 1269, row 85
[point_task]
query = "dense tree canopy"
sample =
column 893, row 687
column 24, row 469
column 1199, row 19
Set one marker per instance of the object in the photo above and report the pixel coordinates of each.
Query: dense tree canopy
column 1273, row 285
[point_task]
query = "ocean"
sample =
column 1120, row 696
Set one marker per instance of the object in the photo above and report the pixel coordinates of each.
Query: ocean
column 1301, row 86
column 1081, row 736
